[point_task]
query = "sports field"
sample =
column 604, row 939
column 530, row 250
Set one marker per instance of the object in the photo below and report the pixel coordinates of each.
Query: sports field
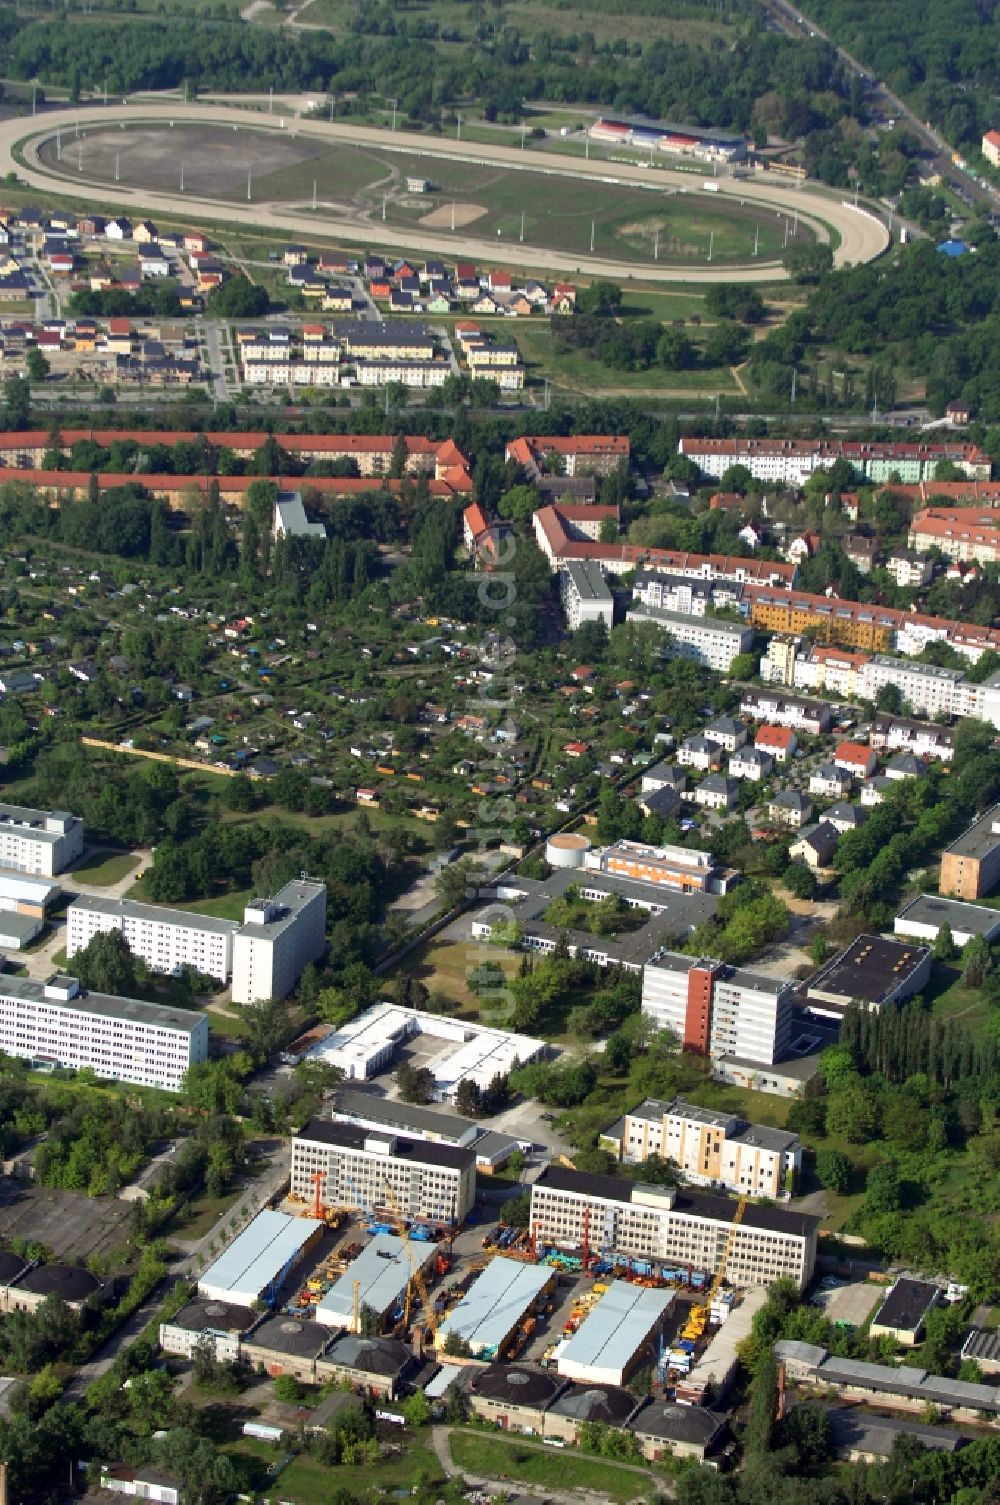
column 370, row 184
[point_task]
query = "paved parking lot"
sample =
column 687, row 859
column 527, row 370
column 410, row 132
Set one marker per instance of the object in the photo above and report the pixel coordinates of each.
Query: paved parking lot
column 851, row 1302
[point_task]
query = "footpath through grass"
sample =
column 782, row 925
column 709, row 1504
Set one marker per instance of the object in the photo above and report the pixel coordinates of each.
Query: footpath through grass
column 551, row 1468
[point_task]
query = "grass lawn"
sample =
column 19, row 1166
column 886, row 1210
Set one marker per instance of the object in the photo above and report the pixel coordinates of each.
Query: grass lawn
column 109, row 870
column 498, row 1458
column 200, row 1216
column 577, row 372
column 305, row 1482
column 951, row 999
column 445, row 965
column 222, row 906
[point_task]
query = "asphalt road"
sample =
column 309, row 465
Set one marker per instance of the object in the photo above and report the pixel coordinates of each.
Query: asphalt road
column 862, row 236
column 882, row 98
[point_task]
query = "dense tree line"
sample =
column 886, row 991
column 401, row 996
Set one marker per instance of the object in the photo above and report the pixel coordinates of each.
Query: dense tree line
column 667, row 78
column 941, row 314
column 942, row 57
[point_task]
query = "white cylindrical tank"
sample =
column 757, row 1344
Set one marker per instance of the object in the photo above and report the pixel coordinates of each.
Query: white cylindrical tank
column 568, row 849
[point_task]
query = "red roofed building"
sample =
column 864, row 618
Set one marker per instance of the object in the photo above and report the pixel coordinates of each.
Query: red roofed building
column 963, row 533
column 991, row 147
column 483, row 539
column 442, row 460
column 856, row 758
column 779, row 741
column 581, row 455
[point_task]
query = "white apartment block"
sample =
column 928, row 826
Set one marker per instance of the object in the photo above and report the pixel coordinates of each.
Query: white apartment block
column 927, row 689
column 793, row 461
column 674, row 1226
column 410, row 373
column 708, row 640
column 713, row 1149
column 585, row 594
column 264, row 956
column 56, row 1023
column 684, row 593
column 166, row 939
column 279, row 937
column 43, row 842
column 718, row 1010
column 362, row 1168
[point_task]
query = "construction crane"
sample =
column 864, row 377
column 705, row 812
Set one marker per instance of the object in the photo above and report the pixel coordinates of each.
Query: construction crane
column 417, row 1275
column 730, row 1244
column 317, row 1178
column 699, row 1315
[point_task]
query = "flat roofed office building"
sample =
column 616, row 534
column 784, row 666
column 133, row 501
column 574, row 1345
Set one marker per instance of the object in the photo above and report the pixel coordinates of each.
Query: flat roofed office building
column 673, row 1225
column 970, row 867
column 717, row 1009
column 43, row 842
column 924, row 917
column 165, row 938
column 57, row 1023
column 365, row 1169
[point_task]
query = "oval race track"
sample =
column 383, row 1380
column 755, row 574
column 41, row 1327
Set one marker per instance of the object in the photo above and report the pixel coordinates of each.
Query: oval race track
column 862, row 237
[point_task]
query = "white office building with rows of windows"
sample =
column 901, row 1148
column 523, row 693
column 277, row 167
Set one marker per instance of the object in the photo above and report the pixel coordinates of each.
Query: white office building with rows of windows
column 673, row 1226
column 57, row 1023
column 264, row 956
column 383, row 1173
column 42, row 842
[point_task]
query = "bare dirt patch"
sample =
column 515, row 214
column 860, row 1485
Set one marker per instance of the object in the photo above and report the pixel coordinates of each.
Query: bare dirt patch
column 453, row 216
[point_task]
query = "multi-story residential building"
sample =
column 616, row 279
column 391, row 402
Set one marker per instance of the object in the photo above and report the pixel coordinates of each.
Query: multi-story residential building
column 395, row 340
column 585, row 594
column 901, row 734
column 366, row 1169
column 790, row 807
column 278, row 938
column 681, row 868
column 166, row 939
column 970, row 867
column 577, row 455
column 856, row 624
column 962, row 533
column 793, row 461
column 811, row 666
column 719, row 1010
column 779, row 742
column 39, row 841
column 830, row 782
column 57, row 1023
column 558, row 535
column 991, row 147
column 684, row 593
column 811, row 716
column 265, row 956
column 910, row 569
column 673, row 1225
column 717, row 792
column 409, row 373
column 927, row 689
column 708, row 640
column 712, row 1149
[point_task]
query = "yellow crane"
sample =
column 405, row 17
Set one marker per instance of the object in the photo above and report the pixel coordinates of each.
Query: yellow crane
column 698, row 1315
column 417, row 1275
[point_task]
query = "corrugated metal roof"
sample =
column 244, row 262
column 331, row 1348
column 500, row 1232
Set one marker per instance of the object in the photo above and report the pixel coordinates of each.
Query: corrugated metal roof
column 616, row 1328
column 382, row 1269
column 495, row 1303
column 256, row 1257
